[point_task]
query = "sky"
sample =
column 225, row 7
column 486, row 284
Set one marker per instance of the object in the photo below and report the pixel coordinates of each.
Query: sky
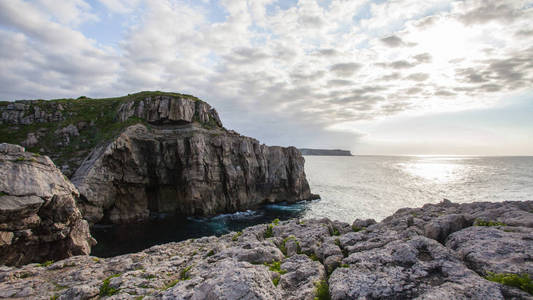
column 375, row 77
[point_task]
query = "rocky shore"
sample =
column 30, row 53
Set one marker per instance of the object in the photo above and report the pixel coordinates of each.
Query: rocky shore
column 438, row 251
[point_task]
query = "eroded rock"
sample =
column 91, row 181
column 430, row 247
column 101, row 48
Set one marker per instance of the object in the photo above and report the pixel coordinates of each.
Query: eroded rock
column 39, row 219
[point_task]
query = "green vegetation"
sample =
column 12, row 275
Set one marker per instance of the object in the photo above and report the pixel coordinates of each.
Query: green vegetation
column 54, row 297
column 184, row 275
column 313, row 256
column 322, row 290
column 357, row 228
column 210, row 253
column 344, row 266
column 275, row 281
column 283, row 248
column 270, row 227
column 480, row 222
column 171, row 284
column 522, row 281
column 96, row 259
column 268, row 231
column 46, row 264
column 96, row 120
column 236, row 236
column 3, row 194
column 150, row 276
column 106, row 289
column 275, row 266
column 334, row 231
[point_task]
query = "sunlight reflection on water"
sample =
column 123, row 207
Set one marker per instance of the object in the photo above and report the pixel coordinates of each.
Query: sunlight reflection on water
column 377, row 186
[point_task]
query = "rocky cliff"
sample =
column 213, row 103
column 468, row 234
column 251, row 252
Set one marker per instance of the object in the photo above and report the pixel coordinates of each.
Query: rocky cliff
column 185, row 170
column 325, row 152
column 439, row 251
column 154, row 152
column 39, row 219
column 67, row 130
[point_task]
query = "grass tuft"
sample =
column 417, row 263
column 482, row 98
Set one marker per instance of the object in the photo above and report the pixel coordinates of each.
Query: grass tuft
column 184, row 273
column 236, row 236
column 522, row 281
column 480, row 222
column 106, row 289
column 275, row 266
column 322, row 290
column 46, row 264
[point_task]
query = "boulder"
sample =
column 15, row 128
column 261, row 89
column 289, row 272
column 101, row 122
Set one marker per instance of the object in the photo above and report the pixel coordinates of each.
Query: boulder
column 39, row 219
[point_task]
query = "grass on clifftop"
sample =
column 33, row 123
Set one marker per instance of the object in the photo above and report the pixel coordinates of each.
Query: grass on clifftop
column 96, row 120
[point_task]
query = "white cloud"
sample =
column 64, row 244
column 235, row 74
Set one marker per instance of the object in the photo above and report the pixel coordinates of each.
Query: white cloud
column 309, row 65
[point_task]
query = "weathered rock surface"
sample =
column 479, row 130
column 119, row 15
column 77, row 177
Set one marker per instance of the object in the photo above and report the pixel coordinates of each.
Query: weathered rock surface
column 392, row 259
column 154, row 152
column 39, row 219
column 185, row 170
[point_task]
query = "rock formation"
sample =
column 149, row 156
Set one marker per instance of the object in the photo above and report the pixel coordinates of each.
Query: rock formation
column 39, row 219
column 439, row 251
column 186, row 170
column 154, row 152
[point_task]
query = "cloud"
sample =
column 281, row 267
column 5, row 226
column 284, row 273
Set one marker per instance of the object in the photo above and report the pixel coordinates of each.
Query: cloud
column 306, row 67
column 482, row 11
column 345, row 69
column 418, row 77
column 392, row 41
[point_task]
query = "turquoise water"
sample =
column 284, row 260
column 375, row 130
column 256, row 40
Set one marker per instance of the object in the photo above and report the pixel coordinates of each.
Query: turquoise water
column 350, row 187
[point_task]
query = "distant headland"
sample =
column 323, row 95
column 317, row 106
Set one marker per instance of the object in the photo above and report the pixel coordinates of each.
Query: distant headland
column 327, row 152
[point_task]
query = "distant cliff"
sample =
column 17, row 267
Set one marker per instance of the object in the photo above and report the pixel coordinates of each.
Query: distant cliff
column 326, row 152
column 153, row 152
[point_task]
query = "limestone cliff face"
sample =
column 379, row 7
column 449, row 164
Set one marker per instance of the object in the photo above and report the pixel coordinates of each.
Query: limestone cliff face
column 39, row 219
column 186, row 170
column 153, row 152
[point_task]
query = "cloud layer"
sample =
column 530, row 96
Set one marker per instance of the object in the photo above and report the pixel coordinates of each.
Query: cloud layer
column 288, row 73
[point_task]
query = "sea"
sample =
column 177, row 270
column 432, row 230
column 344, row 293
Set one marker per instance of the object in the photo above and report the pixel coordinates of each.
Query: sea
column 350, row 187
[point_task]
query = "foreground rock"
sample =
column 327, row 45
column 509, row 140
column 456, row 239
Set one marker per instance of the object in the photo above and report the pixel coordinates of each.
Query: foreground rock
column 411, row 255
column 39, row 219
